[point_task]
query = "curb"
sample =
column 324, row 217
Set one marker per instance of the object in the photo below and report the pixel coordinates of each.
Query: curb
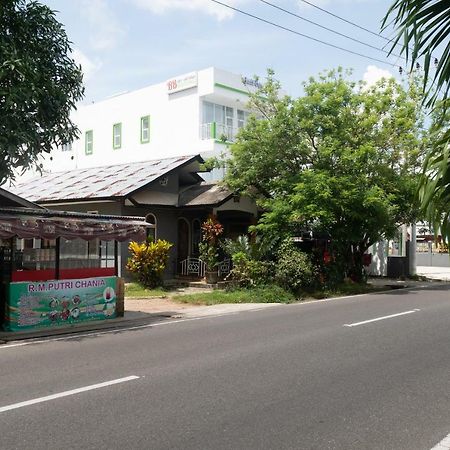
column 6, row 336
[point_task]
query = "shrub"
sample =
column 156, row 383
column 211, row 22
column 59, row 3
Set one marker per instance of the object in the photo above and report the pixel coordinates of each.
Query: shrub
column 250, row 272
column 294, row 270
column 211, row 230
column 148, row 261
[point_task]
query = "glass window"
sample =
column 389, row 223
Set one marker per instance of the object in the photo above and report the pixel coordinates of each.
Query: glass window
column 242, row 117
column 151, row 232
column 229, row 116
column 107, row 258
column 208, row 112
column 35, row 254
column 222, row 115
column 145, row 129
column 117, row 135
column 219, row 114
column 66, row 148
column 89, row 142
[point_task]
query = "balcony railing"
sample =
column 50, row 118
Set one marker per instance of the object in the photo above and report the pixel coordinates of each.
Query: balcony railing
column 218, row 132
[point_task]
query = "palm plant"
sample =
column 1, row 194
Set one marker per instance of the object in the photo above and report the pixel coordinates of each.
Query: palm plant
column 423, row 28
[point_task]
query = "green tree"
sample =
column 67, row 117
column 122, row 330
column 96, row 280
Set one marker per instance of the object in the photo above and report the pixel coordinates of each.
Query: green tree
column 342, row 161
column 423, row 32
column 39, row 85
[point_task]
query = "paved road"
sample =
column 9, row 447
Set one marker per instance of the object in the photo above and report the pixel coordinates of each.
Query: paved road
column 308, row 376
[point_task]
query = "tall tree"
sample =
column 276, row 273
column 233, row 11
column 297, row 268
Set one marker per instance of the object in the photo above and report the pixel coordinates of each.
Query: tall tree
column 424, row 32
column 342, row 160
column 39, row 85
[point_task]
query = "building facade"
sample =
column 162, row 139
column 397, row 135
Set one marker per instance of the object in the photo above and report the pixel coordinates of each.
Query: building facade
column 195, row 113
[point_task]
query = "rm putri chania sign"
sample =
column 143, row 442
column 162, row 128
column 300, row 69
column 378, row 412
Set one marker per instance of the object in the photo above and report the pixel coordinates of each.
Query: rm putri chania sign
column 182, row 82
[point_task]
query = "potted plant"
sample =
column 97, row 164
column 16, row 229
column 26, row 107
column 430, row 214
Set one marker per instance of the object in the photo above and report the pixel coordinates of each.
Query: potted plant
column 209, row 254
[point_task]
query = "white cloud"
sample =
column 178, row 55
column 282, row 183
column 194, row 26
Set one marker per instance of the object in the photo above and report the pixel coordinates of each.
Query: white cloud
column 104, row 26
column 374, row 74
column 204, row 6
column 88, row 66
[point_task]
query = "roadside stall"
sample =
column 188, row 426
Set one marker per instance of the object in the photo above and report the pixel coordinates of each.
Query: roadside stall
column 60, row 268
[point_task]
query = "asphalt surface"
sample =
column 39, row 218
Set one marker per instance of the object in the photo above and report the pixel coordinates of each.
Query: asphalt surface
column 287, row 377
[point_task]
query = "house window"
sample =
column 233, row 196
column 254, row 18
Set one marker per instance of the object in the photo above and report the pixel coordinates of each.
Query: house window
column 145, row 129
column 117, row 135
column 89, row 142
column 217, row 122
column 242, row 117
column 107, row 254
column 151, row 232
column 222, row 115
column 66, row 147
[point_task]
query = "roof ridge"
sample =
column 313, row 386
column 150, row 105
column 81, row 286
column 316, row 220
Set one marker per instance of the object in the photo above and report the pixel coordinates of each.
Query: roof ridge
column 78, row 170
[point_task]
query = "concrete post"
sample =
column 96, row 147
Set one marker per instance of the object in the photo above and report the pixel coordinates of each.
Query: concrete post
column 413, row 251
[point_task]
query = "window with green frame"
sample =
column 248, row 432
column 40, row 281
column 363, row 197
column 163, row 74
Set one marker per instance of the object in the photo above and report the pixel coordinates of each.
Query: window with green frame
column 117, row 136
column 89, row 142
column 145, row 129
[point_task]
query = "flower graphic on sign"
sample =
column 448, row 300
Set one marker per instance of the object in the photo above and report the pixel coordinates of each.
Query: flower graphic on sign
column 109, row 294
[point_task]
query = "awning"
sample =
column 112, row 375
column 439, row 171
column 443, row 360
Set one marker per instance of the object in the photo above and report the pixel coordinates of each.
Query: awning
column 28, row 227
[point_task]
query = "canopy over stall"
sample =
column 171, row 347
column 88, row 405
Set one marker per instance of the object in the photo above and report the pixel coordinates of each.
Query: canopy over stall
column 30, row 223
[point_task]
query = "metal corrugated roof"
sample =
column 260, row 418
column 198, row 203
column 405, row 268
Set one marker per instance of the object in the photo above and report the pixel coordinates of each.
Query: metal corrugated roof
column 204, row 194
column 97, row 182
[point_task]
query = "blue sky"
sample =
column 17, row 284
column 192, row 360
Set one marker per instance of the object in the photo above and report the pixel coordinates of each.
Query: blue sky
column 128, row 44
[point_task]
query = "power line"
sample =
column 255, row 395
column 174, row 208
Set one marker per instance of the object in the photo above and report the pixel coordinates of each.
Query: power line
column 329, row 29
column 347, row 21
column 303, row 35
column 388, row 40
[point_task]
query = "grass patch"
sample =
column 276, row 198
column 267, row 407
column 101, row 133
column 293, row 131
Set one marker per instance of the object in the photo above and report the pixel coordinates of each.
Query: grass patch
column 345, row 289
column 136, row 290
column 272, row 294
column 267, row 294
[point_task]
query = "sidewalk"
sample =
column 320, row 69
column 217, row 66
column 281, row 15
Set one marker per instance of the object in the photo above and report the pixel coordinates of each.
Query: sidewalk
column 434, row 273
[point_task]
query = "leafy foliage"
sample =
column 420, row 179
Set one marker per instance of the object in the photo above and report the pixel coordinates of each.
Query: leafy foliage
column 209, row 247
column 209, row 254
column 248, row 272
column 148, row 261
column 211, row 230
column 341, row 161
column 249, row 267
column 423, row 28
column 39, row 84
column 294, row 270
column 423, row 31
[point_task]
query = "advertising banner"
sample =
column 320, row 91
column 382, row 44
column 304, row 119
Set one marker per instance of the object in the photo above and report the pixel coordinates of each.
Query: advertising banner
column 34, row 305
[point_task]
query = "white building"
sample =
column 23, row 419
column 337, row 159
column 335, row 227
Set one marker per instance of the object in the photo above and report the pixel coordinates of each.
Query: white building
column 195, row 113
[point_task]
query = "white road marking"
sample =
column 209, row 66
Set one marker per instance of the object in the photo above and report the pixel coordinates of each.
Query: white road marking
column 444, row 444
column 380, row 318
column 66, row 393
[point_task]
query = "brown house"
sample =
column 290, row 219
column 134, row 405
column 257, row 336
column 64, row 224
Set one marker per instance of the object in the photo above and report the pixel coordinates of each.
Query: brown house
column 169, row 193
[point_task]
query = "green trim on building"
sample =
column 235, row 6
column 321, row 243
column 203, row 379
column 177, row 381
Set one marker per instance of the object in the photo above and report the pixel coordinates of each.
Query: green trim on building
column 147, row 140
column 87, row 141
column 213, row 130
column 224, row 86
column 119, row 125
